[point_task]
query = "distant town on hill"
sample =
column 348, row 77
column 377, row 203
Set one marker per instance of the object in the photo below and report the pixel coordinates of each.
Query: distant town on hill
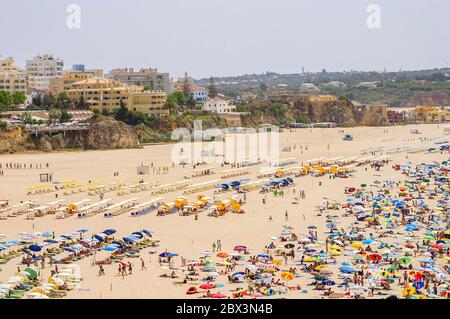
column 48, row 106
column 402, row 88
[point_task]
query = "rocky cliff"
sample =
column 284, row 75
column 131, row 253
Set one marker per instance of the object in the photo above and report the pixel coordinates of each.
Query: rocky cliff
column 14, row 140
column 104, row 133
column 342, row 112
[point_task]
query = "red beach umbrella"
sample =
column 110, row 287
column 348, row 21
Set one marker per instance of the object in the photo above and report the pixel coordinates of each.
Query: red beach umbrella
column 375, row 257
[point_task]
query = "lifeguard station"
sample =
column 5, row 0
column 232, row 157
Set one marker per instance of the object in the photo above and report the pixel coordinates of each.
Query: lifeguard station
column 45, row 177
column 348, row 137
column 143, row 170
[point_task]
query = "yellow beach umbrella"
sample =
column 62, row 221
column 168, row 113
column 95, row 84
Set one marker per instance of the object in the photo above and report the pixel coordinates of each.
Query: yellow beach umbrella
column 56, row 281
column 40, row 291
column 335, row 253
column 270, row 269
column 356, row 244
column 277, row 262
column 410, row 290
column 309, row 260
column 287, row 276
column 320, row 267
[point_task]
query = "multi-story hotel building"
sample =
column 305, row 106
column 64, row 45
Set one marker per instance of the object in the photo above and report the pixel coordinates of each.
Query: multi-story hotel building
column 41, row 69
column 149, row 102
column 72, row 76
column 149, row 78
column 12, row 79
column 63, row 83
column 100, row 93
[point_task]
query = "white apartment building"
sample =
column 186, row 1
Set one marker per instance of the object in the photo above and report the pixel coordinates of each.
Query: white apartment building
column 41, row 69
column 218, row 106
column 308, row 88
column 12, row 79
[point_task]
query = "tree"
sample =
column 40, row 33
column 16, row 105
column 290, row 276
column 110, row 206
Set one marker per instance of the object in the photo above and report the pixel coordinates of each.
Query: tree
column 345, row 99
column 62, row 100
column 263, row 87
column 65, row 116
column 48, row 100
column 81, row 104
column 191, row 102
column 26, row 117
column 18, row 98
column 122, row 103
column 6, row 100
column 96, row 114
column 212, row 90
column 54, row 115
column 122, row 113
column 37, row 100
column 186, row 84
column 177, row 99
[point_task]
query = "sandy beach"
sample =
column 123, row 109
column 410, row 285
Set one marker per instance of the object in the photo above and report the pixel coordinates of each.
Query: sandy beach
column 187, row 236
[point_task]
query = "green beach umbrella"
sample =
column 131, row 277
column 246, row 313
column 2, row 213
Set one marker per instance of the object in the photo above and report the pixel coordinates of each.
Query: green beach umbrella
column 404, row 260
column 32, row 274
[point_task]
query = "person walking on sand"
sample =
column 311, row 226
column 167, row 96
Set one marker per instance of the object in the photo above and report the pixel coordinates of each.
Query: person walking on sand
column 101, row 270
column 270, row 218
column 286, row 215
column 143, row 265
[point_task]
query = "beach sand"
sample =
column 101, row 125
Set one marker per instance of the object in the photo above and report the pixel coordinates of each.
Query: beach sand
column 183, row 234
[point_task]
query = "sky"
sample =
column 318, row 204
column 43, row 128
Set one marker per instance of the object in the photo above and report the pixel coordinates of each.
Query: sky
column 231, row 37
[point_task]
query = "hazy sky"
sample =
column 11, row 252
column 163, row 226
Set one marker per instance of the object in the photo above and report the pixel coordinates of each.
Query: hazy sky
column 230, row 37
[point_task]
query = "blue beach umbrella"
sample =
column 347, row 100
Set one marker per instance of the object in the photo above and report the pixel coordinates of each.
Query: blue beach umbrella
column 110, row 248
column 118, row 244
column 100, row 237
column 148, row 232
column 109, row 232
column 129, row 239
column 418, row 284
column 166, row 255
column 347, row 269
column 328, row 283
column 47, row 234
column 138, row 234
column 238, row 274
column 35, row 248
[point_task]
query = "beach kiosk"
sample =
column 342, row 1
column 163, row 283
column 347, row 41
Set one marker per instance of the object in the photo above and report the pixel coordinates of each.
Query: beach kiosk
column 45, row 177
column 446, row 129
column 143, row 169
column 348, row 137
